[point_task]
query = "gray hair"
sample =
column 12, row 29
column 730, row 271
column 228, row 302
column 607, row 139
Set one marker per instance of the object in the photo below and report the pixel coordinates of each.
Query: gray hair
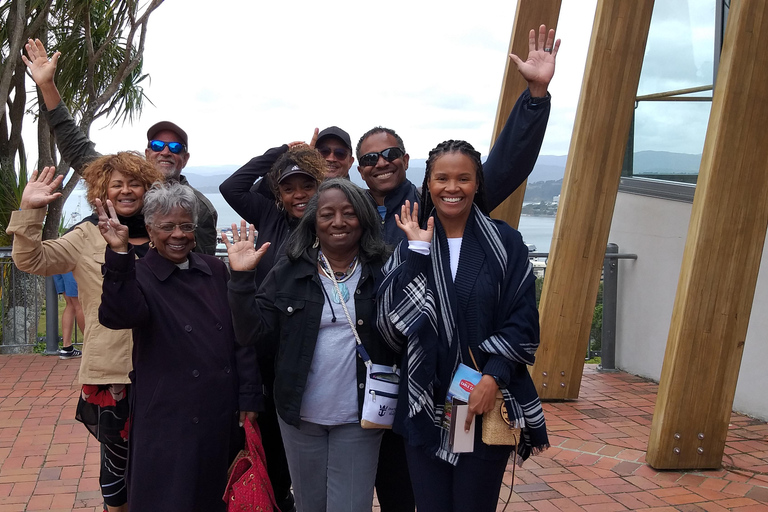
column 164, row 197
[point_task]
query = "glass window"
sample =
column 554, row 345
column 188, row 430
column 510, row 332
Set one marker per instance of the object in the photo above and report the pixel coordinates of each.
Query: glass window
column 674, row 94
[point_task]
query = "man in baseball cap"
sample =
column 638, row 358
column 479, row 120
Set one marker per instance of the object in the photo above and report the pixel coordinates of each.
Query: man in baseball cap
column 168, row 150
column 336, row 147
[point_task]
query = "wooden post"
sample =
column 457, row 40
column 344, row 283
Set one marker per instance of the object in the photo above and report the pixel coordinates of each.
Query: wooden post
column 529, row 14
column 591, row 182
column 721, row 258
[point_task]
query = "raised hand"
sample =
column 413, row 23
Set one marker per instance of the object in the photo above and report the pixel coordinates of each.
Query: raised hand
column 41, row 189
column 408, row 221
column 115, row 234
column 41, row 69
column 539, row 68
column 241, row 251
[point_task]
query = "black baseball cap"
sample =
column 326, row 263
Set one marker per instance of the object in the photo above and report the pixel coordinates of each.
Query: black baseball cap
column 335, row 131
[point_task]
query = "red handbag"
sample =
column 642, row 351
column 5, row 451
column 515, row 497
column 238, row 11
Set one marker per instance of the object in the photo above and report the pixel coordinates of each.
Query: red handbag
column 248, row 485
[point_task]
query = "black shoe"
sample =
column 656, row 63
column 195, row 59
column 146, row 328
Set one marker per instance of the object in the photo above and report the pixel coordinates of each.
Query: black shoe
column 69, row 354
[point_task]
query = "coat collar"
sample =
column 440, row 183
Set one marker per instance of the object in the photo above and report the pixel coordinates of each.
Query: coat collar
column 163, row 268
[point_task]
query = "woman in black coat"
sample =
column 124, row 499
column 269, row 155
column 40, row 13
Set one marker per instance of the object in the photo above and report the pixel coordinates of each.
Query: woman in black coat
column 299, row 314
column 185, row 379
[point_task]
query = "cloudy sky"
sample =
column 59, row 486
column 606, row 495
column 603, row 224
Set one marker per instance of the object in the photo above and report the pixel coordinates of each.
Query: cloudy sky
column 246, row 76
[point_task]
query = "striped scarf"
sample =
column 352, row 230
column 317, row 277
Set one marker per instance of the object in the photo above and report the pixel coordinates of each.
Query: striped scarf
column 427, row 317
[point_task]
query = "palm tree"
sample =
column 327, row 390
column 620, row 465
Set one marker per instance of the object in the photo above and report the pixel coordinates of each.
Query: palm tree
column 99, row 75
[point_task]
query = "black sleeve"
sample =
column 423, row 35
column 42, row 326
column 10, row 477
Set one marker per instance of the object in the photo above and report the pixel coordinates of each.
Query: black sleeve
column 514, row 154
column 239, row 189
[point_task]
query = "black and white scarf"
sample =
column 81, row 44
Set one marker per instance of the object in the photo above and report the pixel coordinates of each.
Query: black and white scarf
column 427, row 317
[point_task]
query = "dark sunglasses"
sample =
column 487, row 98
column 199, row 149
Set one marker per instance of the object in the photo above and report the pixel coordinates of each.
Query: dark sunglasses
column 159, row 145
column 389, row 154
column 339, row 153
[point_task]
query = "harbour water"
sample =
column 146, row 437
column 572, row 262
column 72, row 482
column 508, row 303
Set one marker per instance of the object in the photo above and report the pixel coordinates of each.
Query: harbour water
column 535, row 230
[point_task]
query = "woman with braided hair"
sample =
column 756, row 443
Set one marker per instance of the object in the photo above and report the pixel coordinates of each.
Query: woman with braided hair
column 460, row 290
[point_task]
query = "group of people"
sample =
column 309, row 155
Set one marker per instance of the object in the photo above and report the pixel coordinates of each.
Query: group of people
column 180, row 351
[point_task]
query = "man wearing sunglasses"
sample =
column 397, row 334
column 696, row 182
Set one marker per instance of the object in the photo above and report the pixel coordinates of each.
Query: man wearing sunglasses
column 336, row 147
column 166, row 142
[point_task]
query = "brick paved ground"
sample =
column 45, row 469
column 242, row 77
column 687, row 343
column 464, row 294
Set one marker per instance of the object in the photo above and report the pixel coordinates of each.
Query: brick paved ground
column 596, row 463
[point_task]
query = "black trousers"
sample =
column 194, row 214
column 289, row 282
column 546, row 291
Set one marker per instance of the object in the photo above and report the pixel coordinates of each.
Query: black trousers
column 473, row 484
column 393, row 482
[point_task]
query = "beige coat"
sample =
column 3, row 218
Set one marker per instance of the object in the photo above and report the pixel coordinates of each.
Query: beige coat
column 106, row 353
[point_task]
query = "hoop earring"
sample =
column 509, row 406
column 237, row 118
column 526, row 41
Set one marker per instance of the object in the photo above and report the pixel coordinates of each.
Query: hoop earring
column 280, row 206
column 317, row 242
column 151, row 244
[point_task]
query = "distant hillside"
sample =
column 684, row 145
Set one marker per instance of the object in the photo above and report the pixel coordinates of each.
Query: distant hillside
column 549, row 169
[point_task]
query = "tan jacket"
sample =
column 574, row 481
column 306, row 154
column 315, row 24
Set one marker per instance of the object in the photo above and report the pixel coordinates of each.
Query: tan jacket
column 106, row 353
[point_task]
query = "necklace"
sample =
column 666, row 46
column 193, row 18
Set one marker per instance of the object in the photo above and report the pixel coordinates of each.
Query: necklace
column 339, row 277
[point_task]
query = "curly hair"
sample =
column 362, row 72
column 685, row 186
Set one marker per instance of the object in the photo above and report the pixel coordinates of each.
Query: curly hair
column 307, row 159
column 452, row 146
column 372, row 246
column 130, row 164
column 374, row 131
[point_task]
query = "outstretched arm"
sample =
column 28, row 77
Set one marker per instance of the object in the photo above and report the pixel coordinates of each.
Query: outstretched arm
column 515, row 151
column 42, row 70
column 74, row 145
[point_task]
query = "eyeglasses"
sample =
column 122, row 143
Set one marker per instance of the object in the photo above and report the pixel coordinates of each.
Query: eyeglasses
column 170, row 227
column 389, row 154
column 159, row 145
column 339, row 153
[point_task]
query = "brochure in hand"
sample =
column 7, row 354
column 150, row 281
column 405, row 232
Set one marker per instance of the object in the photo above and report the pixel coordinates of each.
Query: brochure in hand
column 464, row 381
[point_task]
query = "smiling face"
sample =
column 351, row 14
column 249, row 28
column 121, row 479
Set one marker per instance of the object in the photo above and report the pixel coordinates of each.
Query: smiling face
column 170, row 164
column 452, row 188
column 125, row 193
column 385, row 176
column 295, row 192
column 332, row 148
column 338, row 227
column 172, row 245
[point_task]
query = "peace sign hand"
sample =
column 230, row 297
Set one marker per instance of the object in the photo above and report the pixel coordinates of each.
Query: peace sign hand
column 39, row 191
column 409, row 222
column 115, row 234
column 241, row 251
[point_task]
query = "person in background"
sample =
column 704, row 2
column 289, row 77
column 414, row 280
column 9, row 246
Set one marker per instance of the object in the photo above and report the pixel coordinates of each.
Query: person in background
column 106, row 362
column 185, row 379
column 382, row 163
column 460, row 289
column 66, row 285
column 299, row 314
column 167, row 144
column 336, row 147
column 293, row 172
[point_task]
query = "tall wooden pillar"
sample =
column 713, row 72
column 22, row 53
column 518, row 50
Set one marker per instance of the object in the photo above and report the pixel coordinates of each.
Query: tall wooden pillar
column 529, row 14
column 591, row 182
column 721, row 258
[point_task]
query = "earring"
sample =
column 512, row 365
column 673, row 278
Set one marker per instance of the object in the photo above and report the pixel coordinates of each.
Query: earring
column 317, row 242
column 151, row 244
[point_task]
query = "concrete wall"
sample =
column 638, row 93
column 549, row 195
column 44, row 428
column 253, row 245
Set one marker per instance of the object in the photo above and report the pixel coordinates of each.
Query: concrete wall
column 655, row 230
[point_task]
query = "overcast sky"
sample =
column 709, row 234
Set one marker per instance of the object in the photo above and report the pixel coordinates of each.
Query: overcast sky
column 242, row 76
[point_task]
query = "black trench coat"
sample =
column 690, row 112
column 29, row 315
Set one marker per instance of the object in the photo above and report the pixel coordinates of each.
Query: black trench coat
column 184, row 393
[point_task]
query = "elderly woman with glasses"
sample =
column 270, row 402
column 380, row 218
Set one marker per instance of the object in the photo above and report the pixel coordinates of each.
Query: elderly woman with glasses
column 184, row 425
column 122, row 179
column 331, row 270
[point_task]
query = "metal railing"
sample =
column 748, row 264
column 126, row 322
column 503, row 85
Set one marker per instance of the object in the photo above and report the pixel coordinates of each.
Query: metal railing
column 21, row 301
column 610, row 293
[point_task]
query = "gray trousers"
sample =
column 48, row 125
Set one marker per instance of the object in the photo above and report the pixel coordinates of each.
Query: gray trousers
column 333, row 467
